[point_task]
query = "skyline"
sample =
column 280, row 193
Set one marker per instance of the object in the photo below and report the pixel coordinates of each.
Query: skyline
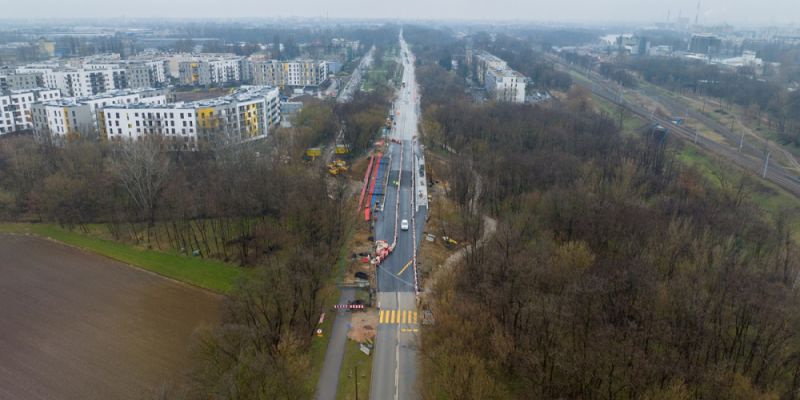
column 738, row 12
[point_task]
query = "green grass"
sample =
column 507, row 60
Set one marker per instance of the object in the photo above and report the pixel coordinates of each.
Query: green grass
column 375, row 78
column 630, row 121
column 208, row 274
column 353, row 357
column 770, row 198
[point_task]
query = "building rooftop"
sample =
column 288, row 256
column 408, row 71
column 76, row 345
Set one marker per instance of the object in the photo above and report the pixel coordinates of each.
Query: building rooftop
column 244, row 93
column 489, row 57
column 21, row 91
column 71, row 101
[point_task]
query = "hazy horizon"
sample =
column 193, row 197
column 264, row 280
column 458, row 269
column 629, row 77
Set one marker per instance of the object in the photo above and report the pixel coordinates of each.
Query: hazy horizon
column 739, row 12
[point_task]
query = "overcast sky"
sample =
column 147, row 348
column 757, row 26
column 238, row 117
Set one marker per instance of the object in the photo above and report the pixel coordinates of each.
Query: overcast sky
column 712, row 11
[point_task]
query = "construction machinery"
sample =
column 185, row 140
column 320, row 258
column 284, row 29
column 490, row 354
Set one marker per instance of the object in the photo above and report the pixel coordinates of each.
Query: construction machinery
column 449, row 242
column 342, row 149
column 337, row 167
column 313, row 152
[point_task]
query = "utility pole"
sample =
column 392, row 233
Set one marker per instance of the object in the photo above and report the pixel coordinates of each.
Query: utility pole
column 741, row 141
column 356, row 382
column 766, row 164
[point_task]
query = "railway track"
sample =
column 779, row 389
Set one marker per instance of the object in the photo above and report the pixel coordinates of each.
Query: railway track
column 774, row 173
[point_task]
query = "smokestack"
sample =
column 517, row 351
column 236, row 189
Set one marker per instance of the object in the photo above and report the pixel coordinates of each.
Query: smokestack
column 697, row 14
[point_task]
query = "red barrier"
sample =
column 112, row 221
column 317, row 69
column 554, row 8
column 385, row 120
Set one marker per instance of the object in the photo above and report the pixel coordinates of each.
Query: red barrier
column 366, row 182
column 349, row 306
column 372, row 186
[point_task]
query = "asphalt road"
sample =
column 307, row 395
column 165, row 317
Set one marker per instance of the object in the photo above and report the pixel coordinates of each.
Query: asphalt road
column 394, row 367
column 346, row 94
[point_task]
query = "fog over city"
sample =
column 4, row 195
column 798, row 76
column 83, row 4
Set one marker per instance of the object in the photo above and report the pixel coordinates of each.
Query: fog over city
column 744, row 12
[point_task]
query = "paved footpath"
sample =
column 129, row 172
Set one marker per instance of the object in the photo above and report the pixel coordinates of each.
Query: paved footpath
column 329, row 377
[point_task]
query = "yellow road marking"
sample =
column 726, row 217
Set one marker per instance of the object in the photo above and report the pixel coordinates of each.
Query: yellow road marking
column 405, row 267
column 398, row 317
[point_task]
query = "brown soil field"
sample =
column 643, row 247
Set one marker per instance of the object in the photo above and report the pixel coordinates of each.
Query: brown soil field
column 75, row 325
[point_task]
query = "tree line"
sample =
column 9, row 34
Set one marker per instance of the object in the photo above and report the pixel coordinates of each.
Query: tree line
column 616, row 272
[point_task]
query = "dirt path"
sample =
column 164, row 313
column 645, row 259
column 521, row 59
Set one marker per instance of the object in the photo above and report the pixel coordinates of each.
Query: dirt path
column 489, row 228
column 75, row 325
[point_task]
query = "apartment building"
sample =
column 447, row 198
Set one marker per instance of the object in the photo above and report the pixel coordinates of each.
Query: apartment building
column 249, row 113
column 15, row 107
column 505, row 85
column 289, row 73
column 146, row 74
column 139, row 73
column 80, row 117
column 482, row 62
column 501, row 82
column 21, row 81
column 85, row 82
column 210, row 70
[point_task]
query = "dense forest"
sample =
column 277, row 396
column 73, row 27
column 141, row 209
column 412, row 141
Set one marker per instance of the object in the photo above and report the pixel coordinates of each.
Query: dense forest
column 615, row 272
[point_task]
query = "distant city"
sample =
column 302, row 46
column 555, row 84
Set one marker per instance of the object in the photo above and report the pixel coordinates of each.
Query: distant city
column 57, row 82
column 58, row 85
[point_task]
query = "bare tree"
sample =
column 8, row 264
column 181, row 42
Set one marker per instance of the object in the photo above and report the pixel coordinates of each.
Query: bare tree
column 142, row 169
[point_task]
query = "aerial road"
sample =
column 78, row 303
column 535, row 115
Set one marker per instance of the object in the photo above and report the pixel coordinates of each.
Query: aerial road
column 352, row 85
column 394, row 368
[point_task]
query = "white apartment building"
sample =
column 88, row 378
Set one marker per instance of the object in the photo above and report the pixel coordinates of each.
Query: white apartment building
column 501, row 82
column 249, row 113
column 139, row 73
column 15, row 107
column 483, row 62
column 505, row 85
column 23, row 81
column 85, row 82
column 80, row 117
column 289, row 73
column 210, row 70
column 146, row 74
